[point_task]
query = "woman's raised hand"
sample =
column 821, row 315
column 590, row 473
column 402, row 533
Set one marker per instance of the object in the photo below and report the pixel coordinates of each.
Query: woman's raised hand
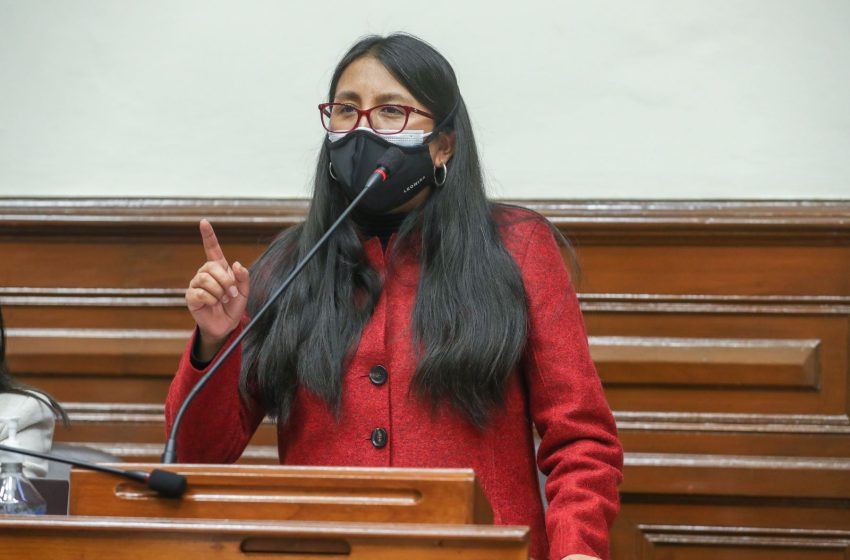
column 217, row 295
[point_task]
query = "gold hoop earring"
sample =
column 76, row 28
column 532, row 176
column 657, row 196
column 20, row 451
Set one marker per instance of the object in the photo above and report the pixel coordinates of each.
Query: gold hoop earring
column 440, row 182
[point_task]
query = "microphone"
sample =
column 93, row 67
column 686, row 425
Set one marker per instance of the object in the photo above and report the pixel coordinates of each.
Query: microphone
column 388, row 161
column 166, row 483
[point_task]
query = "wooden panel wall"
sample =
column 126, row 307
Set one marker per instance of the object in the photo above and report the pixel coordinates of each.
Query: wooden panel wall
column 721, row 332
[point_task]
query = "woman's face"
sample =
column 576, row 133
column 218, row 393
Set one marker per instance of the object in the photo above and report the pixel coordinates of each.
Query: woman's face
column 366, row 83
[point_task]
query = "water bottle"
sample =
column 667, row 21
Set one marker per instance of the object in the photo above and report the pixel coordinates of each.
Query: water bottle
column 18, row 496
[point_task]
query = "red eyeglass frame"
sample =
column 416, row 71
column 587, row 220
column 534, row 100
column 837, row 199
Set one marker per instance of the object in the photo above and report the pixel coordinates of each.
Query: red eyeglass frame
column 368, row 112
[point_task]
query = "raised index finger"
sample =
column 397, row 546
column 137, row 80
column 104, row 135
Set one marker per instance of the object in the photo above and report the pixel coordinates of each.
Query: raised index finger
column 211, row 246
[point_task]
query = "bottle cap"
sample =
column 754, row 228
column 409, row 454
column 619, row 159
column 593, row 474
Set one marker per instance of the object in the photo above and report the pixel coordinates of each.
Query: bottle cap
column 11, row 441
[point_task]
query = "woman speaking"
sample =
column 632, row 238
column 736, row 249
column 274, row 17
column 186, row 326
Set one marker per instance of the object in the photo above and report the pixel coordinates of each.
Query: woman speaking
column 432, row 330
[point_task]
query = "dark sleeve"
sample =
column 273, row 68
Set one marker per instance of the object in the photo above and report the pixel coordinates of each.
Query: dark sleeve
column 579, row 451
column 220, row 421
column 196, row 362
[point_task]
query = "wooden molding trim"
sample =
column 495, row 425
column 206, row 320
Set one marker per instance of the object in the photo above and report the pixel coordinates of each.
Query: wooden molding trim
column 690, row 422
column 658, row 362
column 597, row 221
column 131, row 413
column 709, row 475
column 92, row 297
column 746, row 537
column 715, row 303
column 596, row 302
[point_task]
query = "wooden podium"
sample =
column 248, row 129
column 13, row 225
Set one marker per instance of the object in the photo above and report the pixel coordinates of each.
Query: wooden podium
column 283, row 492
column 232, row 511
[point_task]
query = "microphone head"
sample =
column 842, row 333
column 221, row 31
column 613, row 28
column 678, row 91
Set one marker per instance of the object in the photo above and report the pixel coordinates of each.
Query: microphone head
column 391, row 159
column 167, row 483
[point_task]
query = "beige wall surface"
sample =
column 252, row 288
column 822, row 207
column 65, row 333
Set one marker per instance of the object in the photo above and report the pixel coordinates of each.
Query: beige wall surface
column 644, row 99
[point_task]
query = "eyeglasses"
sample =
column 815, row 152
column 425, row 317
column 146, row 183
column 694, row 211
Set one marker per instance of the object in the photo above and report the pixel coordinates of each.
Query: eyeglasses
column 383, row 119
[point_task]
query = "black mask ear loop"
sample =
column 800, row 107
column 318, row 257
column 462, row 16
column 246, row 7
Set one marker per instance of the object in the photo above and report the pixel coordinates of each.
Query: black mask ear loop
column 445, row 123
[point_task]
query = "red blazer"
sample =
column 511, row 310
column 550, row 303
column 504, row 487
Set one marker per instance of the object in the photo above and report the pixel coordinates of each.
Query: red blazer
column 555, row 387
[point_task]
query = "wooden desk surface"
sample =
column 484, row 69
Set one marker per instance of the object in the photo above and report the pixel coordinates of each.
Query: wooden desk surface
column 80, row 537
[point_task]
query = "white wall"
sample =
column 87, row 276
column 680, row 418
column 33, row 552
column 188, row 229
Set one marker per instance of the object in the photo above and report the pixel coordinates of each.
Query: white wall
column 571, row 99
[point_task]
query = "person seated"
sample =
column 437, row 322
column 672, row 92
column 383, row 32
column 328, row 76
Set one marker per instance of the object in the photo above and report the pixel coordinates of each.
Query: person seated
column 34, row 410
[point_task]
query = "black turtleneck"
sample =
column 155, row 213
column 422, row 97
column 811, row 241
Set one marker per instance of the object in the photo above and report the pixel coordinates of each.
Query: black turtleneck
column 381, row 226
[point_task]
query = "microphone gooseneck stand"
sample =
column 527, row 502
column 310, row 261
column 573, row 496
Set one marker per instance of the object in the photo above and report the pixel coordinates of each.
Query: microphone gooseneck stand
column 166, row 483
column 386, row 164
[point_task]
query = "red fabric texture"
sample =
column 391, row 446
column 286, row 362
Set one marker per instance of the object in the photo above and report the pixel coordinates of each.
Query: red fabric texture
column 555, row 387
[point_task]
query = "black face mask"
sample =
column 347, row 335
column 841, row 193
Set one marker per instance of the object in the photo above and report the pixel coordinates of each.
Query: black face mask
column 354, row 157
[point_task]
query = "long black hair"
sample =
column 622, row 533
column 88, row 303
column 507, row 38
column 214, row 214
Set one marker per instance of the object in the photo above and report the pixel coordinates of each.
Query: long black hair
column 470, row 316
column 9, row 384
